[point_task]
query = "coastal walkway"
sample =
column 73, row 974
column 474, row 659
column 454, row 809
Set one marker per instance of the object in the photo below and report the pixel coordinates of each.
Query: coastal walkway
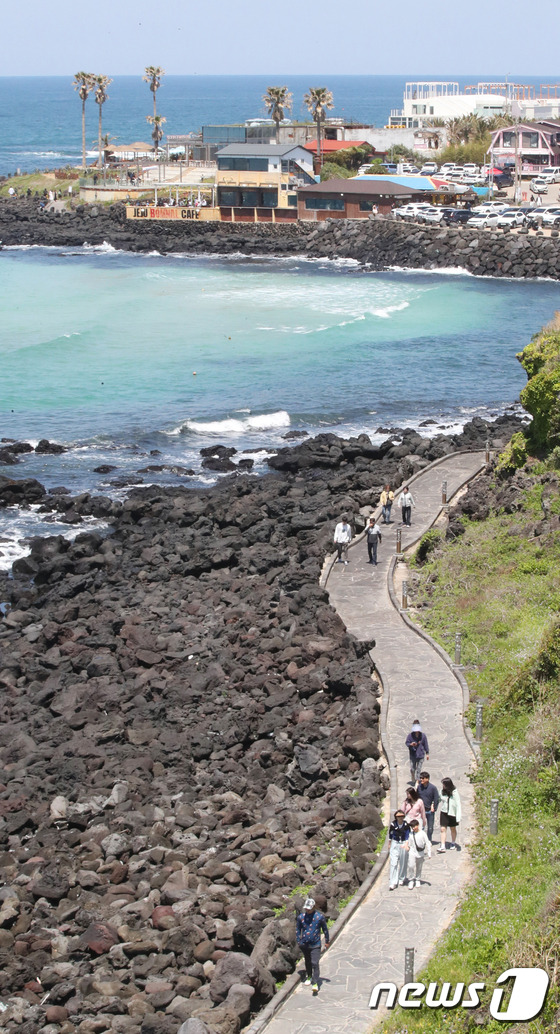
column 418, row 682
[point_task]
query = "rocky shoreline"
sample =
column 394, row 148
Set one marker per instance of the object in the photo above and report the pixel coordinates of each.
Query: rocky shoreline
column 379, row 242
column 189, row 742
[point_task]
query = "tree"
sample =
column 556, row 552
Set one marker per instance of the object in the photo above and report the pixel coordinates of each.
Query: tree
column 101, row 82
column 332, row 170
column 153, row 77
column 83, row 83
column 318, row 101
column 157, row 132
column 277, row 99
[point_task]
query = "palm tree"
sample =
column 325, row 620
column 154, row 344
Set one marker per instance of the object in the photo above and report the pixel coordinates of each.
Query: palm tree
column 153, row 76
column 83, row 83
column 277, row 100
column 101, row 82
column 157, row 132
column 317, row 101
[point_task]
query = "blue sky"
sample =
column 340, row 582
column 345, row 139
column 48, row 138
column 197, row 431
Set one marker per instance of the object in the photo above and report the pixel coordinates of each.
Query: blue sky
column 250, row 36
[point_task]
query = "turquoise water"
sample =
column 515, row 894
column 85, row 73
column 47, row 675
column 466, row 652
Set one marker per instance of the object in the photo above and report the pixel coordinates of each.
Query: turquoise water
column 121, row 356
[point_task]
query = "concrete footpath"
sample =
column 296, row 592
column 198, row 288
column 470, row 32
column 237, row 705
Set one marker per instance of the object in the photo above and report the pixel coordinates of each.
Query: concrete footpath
column 417, row 683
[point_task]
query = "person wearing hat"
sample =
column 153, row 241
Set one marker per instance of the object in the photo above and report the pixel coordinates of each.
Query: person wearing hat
column 418, row 750
column 342, row 538
column 309, row 924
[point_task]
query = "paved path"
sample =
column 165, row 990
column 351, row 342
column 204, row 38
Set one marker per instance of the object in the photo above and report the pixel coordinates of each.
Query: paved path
column 418, row 684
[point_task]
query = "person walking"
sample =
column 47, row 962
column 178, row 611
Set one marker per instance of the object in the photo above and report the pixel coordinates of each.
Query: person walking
column 419, row 849
column 309, row 924
column 430, row 798
column 413, row 808
column 373, row 538
column 449, row 814
column 406, row 502
column 386, row 499
column 418, row 749
column 342, row 539
column 399, row 833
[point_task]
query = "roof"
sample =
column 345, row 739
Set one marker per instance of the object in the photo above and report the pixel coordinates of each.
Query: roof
column 362, row 186
column 334, row 145
column 257, row 150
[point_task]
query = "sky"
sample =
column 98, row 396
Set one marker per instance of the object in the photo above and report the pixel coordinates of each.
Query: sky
column 251, row 37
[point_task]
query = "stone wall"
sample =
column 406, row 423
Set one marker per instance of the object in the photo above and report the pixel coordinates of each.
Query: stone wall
column 380, row 242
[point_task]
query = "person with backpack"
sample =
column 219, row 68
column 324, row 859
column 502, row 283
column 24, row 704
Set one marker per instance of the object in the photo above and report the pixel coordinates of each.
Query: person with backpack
column 373, row 538
column 386, row 500
column 419, row 848
column 418, row 749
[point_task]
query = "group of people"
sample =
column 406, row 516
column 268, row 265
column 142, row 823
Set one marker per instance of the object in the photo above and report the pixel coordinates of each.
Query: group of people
column 411, row 831
column 343, row 532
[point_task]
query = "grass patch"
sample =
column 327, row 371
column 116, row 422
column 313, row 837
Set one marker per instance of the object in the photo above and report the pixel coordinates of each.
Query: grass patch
column 40, row 181
column 499, row 585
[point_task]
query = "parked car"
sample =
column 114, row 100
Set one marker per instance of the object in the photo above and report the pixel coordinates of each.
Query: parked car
column 391, row 168
column 550, row 174
column 410, row 170
column 484, row 219
column 428, row 169
column 535, row 216
column 551, row 217
column 449, row 167
column 432, row 214
column 539, row 185
column 511, row 217
column 453, row 216
column 491, row 206
column 470, row 167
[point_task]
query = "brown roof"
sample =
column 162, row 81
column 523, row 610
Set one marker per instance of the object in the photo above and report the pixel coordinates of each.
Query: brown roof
column 363, row 188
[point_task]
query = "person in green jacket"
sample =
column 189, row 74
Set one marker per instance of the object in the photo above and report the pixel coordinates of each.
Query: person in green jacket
column 449, row 813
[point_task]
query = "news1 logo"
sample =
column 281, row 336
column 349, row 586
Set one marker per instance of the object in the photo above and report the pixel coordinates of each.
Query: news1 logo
column 526, row 999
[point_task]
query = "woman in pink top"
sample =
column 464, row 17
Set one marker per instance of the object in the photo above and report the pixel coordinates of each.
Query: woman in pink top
column 414, row 807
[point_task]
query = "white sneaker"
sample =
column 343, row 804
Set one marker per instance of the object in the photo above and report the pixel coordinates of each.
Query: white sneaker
column 441, row 850
column 417, row 883
column 307, row 981
column 393, row 886
column 411, row 885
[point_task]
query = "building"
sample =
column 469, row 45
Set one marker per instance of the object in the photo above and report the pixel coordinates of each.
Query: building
column 254, row 180
column 358, row 198
column 529, row 145
column 424, row 101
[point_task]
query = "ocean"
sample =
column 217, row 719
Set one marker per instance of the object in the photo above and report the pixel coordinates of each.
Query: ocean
column 40, row 117
column 141, row 360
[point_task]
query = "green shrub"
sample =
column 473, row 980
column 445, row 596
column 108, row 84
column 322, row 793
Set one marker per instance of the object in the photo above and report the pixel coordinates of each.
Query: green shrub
column 513, row 456
column 427, row 544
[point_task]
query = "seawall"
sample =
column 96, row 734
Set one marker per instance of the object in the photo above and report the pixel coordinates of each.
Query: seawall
column 380, row 242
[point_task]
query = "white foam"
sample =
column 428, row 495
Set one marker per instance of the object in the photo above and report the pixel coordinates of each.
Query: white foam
column 233, row 427
column 385, row 313
column 444, row 271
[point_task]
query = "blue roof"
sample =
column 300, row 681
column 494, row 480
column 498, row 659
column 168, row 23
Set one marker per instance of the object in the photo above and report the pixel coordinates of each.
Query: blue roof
column 414, row 182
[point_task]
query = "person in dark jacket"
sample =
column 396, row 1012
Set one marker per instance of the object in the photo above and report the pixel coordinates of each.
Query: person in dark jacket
column 399, row 832
column 430, row 796
column 309, row 924
column 418, row 749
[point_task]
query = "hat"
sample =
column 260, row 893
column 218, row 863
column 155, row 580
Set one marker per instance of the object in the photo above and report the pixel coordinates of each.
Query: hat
column 416, row 727
column 309, row 903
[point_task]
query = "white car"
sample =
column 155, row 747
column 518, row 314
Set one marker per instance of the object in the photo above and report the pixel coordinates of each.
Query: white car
column 432, row 214
column 491, row 206
column 551, row 217
column 471, row 168
column 539, row 185
column 449, row 167
column 428, row 169
column 511, row 217
column 483, row 219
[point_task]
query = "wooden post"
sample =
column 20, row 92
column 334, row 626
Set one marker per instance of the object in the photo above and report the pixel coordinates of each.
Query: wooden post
column 444, row 492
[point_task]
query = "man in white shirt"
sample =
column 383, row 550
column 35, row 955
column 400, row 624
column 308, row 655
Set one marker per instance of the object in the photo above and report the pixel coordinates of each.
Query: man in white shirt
column 342, row 539
column 406, row 503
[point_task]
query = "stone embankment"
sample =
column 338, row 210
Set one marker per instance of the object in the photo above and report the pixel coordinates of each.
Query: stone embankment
column 189, row 739
column 380, row 242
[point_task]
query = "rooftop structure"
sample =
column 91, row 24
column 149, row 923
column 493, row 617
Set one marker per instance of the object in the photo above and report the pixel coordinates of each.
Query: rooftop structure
column 426, row 100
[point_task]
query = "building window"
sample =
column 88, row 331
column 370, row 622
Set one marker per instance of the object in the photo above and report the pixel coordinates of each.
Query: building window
column 249, row 198
column 292, row 200
column 367, row 206
column 233, row 164
column 330, row 204
column 227, row 197
column 270, row 199
column 530, row 139
column 508, row 139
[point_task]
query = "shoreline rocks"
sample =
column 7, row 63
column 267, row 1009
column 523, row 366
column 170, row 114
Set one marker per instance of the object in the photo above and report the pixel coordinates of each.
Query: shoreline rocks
column 189, row 743
column 378, row 243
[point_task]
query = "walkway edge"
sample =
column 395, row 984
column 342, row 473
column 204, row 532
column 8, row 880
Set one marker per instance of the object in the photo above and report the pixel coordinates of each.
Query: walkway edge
column 293, row 981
